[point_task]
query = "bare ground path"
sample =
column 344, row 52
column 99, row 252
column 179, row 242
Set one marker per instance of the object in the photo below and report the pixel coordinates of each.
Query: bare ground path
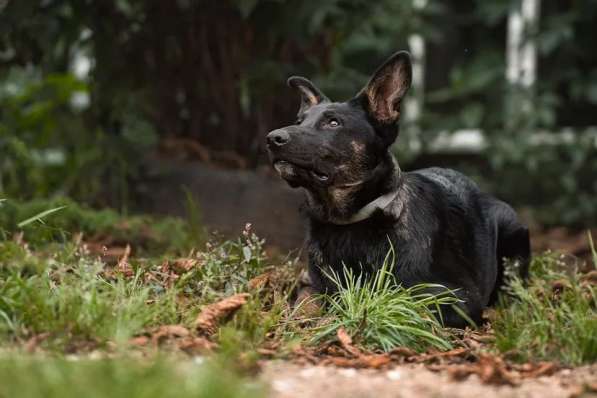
column 288, row 380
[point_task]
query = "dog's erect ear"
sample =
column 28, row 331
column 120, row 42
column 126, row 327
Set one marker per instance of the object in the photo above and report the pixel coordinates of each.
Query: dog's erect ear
column 310, row 95
column 388, row 85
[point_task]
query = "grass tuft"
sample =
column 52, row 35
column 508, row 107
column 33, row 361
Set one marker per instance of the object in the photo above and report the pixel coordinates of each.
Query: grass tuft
column 73, row 302
column 552, row 316
column 379, row 313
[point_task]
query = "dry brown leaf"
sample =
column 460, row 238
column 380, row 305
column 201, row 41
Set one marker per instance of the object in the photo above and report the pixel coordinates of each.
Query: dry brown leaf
column 489, row 369
column 123, row 264
column 493, row 370
column 305, row 354
column 185, row 264
column 375, row 361
column 165, row 267
column 341, row 362
column 259, row 281
column 456, row 372
column 403, row 352
column 140, row 341
column 169, row 331
column 346, row 342
column 266, row 352
column 457, row 352
column 211, row 315
column 532, row 370
column 32, row 344
column 195, row 345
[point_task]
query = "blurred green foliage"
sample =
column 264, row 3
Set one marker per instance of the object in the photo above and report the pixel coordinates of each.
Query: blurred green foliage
column 149, row 235
column 215, row 72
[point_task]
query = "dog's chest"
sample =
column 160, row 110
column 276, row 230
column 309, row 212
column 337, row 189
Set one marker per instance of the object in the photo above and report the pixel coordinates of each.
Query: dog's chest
column 354, row 246
column 365, row 246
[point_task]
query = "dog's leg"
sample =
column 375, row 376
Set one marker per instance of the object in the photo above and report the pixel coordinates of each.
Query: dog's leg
column 304, row 298
column 513, row 243
column 452, row 317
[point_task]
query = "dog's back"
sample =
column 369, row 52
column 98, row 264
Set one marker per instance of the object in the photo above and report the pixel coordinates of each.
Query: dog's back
column 484, row 231
column 450, row 180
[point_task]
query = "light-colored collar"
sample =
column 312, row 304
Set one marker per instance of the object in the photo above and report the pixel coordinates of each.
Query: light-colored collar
column 379, row 203
column 367, row 211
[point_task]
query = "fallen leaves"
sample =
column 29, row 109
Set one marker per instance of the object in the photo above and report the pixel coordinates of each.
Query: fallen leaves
column 176, row 336
column 490, row 370
column 348, row 355
column 459, row 363
column 434, row 355
column 493, row 369
column 205, row 325
column 208, row 320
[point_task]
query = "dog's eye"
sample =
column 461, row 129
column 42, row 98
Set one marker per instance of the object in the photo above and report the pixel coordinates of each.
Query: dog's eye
column 298, row 121
column 333, row 122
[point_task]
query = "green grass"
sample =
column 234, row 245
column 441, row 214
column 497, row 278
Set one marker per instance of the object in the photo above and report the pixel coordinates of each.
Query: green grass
column 32, row 377
column 69, row 298
column 77, row 299
column 379, row 313
column 58, row 220
column 551, row 317
column 51, row 285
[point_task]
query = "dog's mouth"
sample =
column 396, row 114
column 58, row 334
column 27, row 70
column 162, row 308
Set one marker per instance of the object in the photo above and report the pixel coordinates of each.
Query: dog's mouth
column 293, row 171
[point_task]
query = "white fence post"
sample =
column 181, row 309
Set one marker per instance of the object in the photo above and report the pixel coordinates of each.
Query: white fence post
column 521, row 57
column 414, row 103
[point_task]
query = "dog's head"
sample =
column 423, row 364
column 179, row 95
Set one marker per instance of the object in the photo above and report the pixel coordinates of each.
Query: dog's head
column 335, row 148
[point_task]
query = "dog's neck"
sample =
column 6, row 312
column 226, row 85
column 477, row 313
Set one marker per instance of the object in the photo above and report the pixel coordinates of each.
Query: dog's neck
column 355, row 202
column 381, row 203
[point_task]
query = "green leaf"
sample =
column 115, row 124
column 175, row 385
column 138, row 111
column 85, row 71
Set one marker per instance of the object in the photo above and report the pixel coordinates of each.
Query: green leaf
column 247, row 253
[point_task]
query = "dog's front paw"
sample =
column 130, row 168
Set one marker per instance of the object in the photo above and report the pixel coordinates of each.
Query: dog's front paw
column 305, row 303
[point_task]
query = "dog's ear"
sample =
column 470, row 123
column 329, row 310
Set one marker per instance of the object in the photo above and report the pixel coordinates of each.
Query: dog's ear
column 310, row 94
column 381, row 97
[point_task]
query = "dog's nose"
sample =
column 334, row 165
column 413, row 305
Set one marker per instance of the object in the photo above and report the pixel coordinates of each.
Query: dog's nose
column 278, row 138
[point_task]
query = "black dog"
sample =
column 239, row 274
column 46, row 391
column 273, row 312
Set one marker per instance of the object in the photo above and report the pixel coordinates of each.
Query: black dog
column 443, row 229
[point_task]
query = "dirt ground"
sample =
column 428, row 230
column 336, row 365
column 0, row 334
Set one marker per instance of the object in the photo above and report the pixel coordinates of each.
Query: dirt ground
column 288, row 380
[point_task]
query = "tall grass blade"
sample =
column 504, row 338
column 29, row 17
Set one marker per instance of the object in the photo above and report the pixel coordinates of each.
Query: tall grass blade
column 593, row 250
column 39, row 217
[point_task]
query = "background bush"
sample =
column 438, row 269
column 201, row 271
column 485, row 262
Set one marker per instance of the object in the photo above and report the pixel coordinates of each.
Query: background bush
column 214, row 72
